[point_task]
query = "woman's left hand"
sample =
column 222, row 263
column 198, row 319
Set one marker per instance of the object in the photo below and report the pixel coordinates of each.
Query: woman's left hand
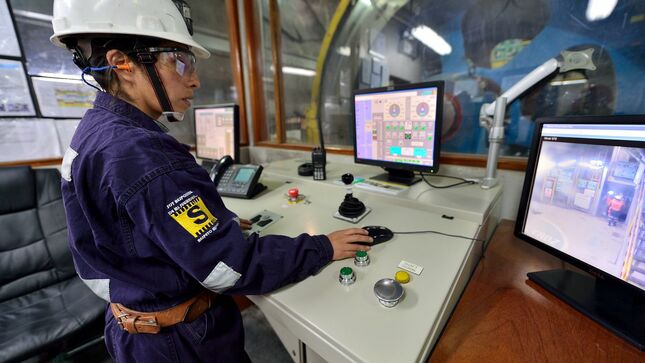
column 245, row 224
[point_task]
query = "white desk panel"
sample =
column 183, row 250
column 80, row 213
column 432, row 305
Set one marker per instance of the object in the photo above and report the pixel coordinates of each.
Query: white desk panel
column 347, row 324
column 468, row 202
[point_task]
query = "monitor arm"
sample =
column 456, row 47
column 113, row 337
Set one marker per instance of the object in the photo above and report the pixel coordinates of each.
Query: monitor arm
column 491, row 115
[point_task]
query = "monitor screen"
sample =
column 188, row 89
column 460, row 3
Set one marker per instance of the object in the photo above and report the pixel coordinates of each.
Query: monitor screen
column 585, row 193
column 399, row 127
column 216, row 131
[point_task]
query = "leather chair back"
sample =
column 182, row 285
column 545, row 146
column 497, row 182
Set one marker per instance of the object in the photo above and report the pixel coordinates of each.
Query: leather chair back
column 33, row 232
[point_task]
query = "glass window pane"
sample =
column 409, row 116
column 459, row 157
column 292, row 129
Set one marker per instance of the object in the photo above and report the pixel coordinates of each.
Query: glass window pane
column 481, row 48
column 267, row 69
column 303, row 26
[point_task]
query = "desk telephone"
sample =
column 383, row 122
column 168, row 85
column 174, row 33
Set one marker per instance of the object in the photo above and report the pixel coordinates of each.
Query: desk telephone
column 235, row 180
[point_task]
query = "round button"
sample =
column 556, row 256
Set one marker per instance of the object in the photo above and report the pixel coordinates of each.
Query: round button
column 388, row 292
column 402, row 277
column 346, row 276
column 361, row 259
column 293, row 192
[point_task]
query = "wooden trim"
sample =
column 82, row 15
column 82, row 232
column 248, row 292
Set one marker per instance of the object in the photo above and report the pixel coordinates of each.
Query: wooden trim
column 505, row 163
column 254, row 61
column 276, row 57
column 305, row 147
column 33, row 163
column 236, row 65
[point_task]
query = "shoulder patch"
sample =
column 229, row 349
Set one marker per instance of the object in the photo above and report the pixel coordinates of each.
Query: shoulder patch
column 190, row 212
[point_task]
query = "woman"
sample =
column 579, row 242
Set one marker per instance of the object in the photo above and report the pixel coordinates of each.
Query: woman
column 147, row 229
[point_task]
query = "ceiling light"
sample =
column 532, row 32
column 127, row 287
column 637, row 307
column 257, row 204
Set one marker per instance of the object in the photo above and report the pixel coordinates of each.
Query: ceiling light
column 299, row 71
column 431, row 39
column 600, row 9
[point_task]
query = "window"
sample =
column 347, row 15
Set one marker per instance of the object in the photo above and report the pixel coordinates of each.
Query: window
column 303, row 25
column 479, row 48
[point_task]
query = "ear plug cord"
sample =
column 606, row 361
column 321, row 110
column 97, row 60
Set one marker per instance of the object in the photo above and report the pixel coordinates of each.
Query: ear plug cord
column 87, row 70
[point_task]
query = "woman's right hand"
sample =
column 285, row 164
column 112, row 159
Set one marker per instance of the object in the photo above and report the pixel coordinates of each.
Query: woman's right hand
column 342, row 242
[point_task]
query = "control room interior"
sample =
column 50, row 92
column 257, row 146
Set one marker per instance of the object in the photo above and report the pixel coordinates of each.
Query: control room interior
column 301, row 107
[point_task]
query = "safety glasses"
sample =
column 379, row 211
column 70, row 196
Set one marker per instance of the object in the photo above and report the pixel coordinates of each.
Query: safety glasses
column 182, row 60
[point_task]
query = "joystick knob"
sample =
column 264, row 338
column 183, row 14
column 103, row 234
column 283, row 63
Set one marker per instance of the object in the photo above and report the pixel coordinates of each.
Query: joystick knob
column 347, row 178
column 293, row 193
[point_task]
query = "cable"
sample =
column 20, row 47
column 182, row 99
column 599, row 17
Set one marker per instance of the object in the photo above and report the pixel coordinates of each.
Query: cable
column 87, row 70
column 443, row 234
column 463, row 181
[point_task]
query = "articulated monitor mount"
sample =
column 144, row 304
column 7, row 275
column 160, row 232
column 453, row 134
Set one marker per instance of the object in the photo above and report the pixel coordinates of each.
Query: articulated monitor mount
column 491, row 115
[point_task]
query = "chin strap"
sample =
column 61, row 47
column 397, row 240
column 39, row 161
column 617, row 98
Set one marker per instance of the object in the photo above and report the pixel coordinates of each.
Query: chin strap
column 148, row 61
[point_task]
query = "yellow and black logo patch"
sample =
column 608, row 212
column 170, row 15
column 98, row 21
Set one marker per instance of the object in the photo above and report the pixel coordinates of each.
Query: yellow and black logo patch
column 194, row 217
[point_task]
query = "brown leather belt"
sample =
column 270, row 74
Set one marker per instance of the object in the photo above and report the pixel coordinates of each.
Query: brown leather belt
column 151, row 322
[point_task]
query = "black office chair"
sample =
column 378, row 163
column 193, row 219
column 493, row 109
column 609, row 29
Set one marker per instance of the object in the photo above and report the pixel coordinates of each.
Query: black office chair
column 43, row 303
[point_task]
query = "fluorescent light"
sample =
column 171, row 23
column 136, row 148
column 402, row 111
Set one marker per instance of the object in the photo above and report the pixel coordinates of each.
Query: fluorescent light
column 33, row 15
column 600, row 9
column 59, row 80
column 366, row 2
column 344, row 50
column 299, row 71
column 568, row 82
column 376, row 54
column 58, row 75
column 431, row 39
column 296, row 71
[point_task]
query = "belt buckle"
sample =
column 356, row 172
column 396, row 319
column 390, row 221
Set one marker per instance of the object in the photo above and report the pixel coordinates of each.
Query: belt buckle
column 136, row 324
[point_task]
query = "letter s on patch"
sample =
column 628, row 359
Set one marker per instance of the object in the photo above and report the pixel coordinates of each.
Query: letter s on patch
column 194, row 217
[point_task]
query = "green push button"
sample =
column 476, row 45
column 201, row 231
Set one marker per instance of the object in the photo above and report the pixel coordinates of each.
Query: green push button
column 361, row 254
column 346, row 271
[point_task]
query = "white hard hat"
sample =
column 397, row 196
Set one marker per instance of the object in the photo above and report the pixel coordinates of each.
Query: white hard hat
column 160, row 19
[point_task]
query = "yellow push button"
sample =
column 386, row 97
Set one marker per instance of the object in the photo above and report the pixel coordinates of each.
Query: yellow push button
column 402, row 277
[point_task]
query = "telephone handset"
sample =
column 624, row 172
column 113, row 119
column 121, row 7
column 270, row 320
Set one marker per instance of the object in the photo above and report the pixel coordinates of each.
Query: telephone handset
column 218, row 169
column 235, row 180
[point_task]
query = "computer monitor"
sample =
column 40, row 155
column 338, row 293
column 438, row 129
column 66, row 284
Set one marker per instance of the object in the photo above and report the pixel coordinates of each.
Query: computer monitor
column 217, row 132
column 399, row 129
column 582, row 201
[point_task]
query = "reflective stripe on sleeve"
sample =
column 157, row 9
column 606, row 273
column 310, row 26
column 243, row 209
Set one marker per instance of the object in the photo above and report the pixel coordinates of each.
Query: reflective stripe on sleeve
column 100, row 287
column 66, row 167
column 221, row 278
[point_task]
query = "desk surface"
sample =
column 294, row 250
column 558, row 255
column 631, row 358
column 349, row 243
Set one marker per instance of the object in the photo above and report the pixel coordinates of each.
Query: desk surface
column 467, row 202
column 321, row 310
column 503, row 317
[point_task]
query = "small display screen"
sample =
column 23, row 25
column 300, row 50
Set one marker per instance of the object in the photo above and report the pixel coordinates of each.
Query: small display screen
column 214, row 132
column 244, row 175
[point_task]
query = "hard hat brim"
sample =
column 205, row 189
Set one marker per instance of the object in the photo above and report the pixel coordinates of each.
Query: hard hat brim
column 196, row 48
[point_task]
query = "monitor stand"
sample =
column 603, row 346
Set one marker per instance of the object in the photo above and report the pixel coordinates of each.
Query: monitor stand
column 397, row 176
column 615, row 307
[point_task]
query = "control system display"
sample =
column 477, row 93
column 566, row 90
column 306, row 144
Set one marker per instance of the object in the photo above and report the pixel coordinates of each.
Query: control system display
column 215, row 132
column 397, row 126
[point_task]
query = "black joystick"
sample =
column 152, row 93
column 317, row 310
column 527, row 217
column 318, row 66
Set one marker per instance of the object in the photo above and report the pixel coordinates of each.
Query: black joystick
column 350, row 207
column 347, row 179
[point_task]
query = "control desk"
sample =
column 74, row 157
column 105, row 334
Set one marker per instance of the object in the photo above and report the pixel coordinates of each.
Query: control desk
column 334, row 322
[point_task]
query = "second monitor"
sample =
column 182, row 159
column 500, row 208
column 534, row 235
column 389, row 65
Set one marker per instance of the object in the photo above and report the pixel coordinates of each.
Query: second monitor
column 399, row 129
column 217, row 132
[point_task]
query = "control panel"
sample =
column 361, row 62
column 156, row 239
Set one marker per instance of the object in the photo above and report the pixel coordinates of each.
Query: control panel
column 262, row 221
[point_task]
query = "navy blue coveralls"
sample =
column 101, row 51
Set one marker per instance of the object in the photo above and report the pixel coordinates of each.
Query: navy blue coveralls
column 147, row 229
